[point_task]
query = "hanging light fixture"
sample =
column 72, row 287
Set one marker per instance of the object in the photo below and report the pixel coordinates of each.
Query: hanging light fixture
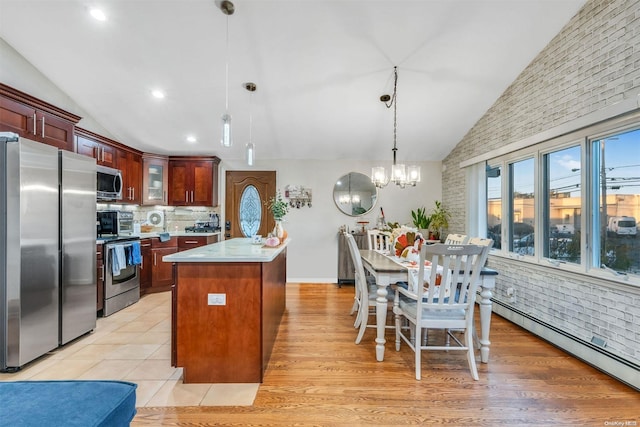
column 250, row 148
column 400, row 174
column 227, row 8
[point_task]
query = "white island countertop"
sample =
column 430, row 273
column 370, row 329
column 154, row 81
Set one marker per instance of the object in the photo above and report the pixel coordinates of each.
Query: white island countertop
column 234, row 250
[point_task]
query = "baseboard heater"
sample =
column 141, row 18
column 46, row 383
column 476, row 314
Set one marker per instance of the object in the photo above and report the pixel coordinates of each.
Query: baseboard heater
column 623, row 370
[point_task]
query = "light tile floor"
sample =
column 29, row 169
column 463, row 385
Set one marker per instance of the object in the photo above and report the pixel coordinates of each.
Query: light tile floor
column 134, row 345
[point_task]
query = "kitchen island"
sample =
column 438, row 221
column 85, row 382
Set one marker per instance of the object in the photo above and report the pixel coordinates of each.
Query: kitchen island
column 228, row 300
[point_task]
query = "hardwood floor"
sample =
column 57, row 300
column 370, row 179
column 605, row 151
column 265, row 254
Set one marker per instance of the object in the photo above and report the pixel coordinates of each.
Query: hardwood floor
column 318, row 376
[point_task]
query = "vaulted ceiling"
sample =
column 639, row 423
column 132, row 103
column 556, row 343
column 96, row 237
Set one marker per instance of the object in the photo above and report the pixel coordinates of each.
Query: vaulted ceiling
column 320, row 67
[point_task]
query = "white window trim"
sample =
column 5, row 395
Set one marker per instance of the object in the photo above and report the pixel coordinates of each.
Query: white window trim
column 476, row 170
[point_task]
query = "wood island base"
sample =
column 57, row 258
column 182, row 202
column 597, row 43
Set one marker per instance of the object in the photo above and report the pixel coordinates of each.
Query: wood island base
column 229, row 343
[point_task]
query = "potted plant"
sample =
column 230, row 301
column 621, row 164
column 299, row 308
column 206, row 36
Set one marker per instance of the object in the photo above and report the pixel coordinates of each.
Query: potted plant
column 421, row 221
column 279, row 209
column 439, row 220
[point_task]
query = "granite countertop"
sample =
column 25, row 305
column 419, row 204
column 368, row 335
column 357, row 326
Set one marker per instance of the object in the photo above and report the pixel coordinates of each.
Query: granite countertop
column 234, row 250
column 178, row 234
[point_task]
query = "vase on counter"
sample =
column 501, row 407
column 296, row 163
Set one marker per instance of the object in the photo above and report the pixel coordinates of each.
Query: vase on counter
column 279, row 231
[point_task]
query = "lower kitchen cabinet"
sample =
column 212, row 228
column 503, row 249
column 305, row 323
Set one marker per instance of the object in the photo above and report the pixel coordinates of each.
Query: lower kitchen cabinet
column 146, row 266
column 162, row 277
column 190, row 242
column 159, row 276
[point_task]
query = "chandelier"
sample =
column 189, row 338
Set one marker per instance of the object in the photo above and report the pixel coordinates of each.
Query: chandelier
column 227, row 8
column 400, row 174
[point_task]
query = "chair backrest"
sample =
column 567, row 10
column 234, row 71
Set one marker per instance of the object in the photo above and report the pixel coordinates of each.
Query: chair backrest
column 360, row 279
column 481, row 241
column 378, row 240
column 459, row 267
column 453, row 238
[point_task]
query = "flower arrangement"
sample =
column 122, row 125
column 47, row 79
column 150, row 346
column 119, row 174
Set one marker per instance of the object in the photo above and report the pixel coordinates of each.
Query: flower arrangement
column 278, row 207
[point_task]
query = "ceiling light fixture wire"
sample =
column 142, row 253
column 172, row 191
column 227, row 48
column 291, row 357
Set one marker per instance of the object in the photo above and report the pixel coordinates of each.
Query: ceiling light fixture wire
column 250, row 147
column 228, row 9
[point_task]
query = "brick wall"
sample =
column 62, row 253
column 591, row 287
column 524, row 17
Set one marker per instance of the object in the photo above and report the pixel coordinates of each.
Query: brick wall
column 592, row 63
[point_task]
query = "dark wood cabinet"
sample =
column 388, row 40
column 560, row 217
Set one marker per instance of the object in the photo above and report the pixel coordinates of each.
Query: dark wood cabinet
column 241, row 333
column 93, row 145
column 146, row 266
column 193, row 181
column 99, row 278
column 155, row 179
column 162, row 277
column 190, row 242
column 113, row 154
column 130, row 164
column 35, row 119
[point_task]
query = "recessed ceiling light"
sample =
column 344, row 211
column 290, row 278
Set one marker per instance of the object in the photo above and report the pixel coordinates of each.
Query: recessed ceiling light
column 191, row 138
column 98, row 14
column 157, row 93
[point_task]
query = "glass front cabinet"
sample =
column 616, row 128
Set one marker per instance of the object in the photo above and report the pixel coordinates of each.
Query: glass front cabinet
column 155, row 179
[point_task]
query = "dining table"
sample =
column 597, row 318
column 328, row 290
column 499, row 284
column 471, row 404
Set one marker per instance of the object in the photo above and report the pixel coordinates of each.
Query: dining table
column 388, row 271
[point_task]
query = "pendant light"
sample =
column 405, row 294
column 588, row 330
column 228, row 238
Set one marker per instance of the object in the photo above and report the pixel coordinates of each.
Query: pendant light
column 250, row 148
column 227, row 8
column 400, row 174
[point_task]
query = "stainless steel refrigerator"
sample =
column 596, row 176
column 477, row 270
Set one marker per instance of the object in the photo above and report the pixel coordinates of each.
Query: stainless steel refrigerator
column 77, row 245
column 47, row 273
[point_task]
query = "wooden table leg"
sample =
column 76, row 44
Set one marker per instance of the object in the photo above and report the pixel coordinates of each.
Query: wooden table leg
column 487, row 285
column 382, row 281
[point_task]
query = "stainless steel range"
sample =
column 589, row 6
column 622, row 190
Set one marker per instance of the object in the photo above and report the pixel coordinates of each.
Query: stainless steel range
column 121, row 273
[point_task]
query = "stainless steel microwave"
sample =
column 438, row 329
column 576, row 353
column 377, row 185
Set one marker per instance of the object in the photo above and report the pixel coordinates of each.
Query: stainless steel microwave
column 109, row 183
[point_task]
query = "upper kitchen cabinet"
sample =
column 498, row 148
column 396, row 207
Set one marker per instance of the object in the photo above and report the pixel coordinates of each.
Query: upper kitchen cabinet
column 155, row 179
column 35, row 119
column 93, row 145
column 193, row 181
column 130, row 164
column 113, row 154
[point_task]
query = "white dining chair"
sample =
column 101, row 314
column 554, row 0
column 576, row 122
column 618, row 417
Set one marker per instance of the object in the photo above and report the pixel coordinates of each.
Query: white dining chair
column 365, row 294
column 482, row 241
column 454, row 238
column 449, row 305
column 378, row 240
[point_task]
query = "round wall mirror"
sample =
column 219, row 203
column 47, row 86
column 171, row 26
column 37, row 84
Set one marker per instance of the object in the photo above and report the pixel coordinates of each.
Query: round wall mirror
column 355, row 194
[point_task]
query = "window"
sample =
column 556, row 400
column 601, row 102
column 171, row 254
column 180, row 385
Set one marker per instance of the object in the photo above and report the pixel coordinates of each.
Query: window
column 549, row 185
column 522, row 207
column 616, row 209
column 563, row 204
column 250, row 211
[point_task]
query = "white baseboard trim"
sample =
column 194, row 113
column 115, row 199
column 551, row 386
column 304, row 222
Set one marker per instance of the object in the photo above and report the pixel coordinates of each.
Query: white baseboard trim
column 327, row 280
column 623, row 370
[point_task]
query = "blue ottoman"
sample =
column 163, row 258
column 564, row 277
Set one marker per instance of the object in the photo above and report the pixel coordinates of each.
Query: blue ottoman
column 67, row 403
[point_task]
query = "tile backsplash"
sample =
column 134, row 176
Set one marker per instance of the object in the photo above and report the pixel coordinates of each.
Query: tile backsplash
column 175, row 218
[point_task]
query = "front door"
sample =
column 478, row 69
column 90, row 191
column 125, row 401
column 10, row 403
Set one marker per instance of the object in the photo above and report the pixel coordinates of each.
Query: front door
column 246, row 213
